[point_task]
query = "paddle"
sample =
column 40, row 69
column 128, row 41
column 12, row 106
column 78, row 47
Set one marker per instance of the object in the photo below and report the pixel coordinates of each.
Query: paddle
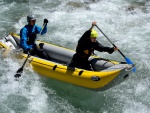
column 127, row 59
column 20, row 70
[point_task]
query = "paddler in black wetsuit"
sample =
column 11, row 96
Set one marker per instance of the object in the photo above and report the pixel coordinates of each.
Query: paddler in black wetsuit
column 85, row 48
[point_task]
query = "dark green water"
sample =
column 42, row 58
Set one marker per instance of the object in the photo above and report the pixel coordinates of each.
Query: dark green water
column 125, row 22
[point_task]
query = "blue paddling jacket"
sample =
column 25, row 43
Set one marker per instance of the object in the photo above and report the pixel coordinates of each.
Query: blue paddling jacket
column 28, row 35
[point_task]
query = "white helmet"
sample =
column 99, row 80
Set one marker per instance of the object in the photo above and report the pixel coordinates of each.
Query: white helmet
column 30, row 17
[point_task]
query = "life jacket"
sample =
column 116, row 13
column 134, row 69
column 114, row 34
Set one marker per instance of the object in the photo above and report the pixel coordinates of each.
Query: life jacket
column 31, row 38
column 85, row 50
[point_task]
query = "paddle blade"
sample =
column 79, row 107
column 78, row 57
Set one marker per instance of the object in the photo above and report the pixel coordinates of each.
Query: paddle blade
column 130, row 62
column 20, row 70
column 134, row 69
column 18, row 73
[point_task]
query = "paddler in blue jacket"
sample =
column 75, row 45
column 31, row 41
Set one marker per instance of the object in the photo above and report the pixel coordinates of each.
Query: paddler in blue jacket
column 28, row 35
column 85, row 48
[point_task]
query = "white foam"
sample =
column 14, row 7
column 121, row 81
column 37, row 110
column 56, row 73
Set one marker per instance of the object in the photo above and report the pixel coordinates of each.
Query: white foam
column 129, row 30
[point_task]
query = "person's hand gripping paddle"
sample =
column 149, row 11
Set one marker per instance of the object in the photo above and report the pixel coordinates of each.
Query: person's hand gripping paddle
column 128, row 61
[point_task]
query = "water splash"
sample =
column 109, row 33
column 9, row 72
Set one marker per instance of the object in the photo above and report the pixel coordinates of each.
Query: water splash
column 126, row 23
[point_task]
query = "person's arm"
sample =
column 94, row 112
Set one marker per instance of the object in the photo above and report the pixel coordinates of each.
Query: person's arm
column 23, row 39
column 101, row 48
column 42, row 30
column 45, row 27
column 86, row 35
column 37, row 29
column 93, row 24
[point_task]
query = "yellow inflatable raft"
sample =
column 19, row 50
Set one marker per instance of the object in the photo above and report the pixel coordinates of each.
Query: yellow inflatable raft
column 106, row 73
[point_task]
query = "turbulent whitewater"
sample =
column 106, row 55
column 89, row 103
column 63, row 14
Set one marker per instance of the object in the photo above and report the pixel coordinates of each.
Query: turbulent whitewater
column 125, row 22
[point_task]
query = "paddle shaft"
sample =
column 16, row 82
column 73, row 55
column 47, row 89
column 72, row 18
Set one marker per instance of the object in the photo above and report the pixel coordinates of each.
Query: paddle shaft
column 110, row 41
column 42, row 28
column 25, row 60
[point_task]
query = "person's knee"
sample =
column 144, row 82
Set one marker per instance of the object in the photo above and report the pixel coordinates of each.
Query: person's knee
column 44, row 55
column 72, row 64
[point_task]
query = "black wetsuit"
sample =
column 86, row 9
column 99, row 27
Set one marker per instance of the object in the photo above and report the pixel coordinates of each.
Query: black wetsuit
column 85, row 49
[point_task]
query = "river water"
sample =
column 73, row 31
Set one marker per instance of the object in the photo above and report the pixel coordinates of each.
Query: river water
column 125, row 22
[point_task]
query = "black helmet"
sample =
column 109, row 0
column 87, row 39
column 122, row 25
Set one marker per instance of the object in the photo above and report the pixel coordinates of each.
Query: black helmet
column 30, row 17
